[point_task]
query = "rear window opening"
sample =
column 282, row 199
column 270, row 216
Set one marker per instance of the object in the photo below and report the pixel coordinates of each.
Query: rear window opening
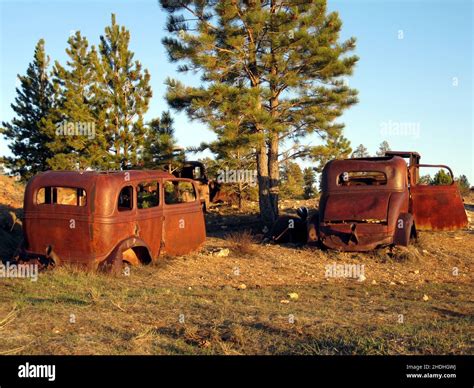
column 69, row 196
column 362, row 178
column 125, row 199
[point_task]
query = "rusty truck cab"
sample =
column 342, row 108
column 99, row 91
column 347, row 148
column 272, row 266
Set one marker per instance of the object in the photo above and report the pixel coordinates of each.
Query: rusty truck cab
column 96, row 218
column 361, row 201
column 371, row 202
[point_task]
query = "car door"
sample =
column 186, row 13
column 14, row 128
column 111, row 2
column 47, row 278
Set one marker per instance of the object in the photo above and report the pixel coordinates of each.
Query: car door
column 183, row 225
column 436, row 207
column 149, row 215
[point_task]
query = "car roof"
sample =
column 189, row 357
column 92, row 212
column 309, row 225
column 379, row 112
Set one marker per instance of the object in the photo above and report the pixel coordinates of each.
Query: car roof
column 394, row 167
column 87, row 178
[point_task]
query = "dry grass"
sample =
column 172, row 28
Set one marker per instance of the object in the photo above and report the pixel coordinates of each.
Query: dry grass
column 242, row 243
column 195, row 304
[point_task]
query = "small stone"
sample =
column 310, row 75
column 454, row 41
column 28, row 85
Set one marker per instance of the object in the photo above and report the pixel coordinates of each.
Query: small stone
column 223, row 252
column 242, row 286
column 293, row 295
column 374, row 281
column 362, row 278
column 284, row 301
column 425, row 297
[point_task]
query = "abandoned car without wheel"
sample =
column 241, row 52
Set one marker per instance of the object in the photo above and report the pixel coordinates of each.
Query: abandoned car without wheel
column 103, row 219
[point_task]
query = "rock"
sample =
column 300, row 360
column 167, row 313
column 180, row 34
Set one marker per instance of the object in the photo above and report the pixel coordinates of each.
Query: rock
column 426, row 297
column 284, row 301
column 362, row 278
column 392, row 283
column 374, row 281
column 223, row 253
column 242, row 287
column 293, row 295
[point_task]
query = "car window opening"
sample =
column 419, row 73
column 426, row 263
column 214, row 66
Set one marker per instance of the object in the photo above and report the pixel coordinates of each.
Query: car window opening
column 54, row 195
column 362, row 178
column 125, row 199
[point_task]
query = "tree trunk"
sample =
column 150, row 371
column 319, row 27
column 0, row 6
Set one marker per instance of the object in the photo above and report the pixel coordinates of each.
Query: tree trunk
column 274, row 174
column 267, row 196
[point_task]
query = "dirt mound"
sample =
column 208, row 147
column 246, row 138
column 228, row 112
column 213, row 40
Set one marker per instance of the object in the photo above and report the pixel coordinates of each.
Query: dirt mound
column 11, row 203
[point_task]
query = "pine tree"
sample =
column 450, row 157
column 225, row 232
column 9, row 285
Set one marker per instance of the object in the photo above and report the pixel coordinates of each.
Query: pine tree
column 383, row 147
column 161, row 147
column 233, row 156
column 441, row 178
column 336, row 147
column 360, row 152
column 234, row 149
column 282, row 62
column 292, row 182
column 309, row 177
column 73, row 122
column 124, row 93
column 425, row 179
column 463, row 184
column 32, row 105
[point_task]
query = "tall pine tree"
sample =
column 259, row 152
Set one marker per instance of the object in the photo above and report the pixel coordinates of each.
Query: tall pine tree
column 383, row 147
column 286, row 60
column 161, row 147
column 26, row 132
column 360, row 152
column 124, row 92
column 336, row 147
column 75, row 121
column 309, row 177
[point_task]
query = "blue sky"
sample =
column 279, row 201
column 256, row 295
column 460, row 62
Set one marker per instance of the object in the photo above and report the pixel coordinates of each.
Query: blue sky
column 414, row 75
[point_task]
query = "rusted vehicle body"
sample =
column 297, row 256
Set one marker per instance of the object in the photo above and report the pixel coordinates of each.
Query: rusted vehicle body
column 210, row 191
column 101, row 219
column 196, row 171
column 370, row 202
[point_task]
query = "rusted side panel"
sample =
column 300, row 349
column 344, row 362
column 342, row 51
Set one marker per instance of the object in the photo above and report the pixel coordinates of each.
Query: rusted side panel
column 438, row 207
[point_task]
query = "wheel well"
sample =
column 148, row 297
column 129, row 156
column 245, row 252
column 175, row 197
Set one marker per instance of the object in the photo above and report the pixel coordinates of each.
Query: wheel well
column 142, row 254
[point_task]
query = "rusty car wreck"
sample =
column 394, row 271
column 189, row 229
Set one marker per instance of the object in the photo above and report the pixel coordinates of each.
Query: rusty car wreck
column 103, row 219
column 371, row 202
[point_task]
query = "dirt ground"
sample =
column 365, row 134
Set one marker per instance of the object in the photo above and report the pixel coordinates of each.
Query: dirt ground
column 238, row 295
